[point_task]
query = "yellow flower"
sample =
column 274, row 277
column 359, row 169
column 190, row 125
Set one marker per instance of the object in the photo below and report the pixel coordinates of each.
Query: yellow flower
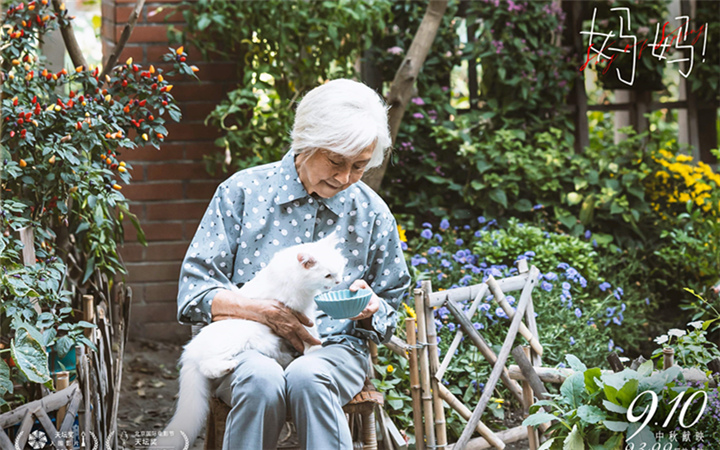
column 390, row 368
column 401, row 232
column 410, row 312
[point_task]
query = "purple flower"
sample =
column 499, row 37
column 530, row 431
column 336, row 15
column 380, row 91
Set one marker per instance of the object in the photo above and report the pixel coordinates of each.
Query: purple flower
column 566, row 286
column 572, row 340
column 500, row 313
column 563, row 266
column 536, row 207
column 417, row 260
column 546, row 286
column 587, row 234
column 618, row 293
column 459, row 241
column 611, row 345
column 478, row 233
column 451, row 327
column 427, row 234
column 604, row 286
column 403, row 245
column 444, row 224
column 418, row 115
column 445, row 263
column 418, row 101
column 427, row 225
column 395, row 50
column 578, row 313
column 481, row 219
column 478, row 326
column 551, row 276
column 438, row 237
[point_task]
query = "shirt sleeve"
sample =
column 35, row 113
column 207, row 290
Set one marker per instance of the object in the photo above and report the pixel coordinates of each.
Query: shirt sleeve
column 389, row 278
column 208, row 263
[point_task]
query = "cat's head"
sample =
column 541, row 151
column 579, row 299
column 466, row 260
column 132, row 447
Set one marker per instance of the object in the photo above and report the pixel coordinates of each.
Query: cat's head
column 322, row 262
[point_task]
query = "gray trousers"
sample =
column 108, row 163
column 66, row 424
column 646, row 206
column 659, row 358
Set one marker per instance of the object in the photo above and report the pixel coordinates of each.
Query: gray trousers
column 312, row 390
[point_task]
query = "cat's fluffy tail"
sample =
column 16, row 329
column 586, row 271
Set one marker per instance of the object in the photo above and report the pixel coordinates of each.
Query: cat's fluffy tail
column 192, row 405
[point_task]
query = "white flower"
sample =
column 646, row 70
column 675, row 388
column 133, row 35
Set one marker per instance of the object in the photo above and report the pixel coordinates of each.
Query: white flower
column 661, row 339
column 696, row 324
column 395, row 50
column 676, row 332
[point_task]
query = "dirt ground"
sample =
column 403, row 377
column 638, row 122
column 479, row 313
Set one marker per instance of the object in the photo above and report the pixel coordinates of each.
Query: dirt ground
column 149, row 387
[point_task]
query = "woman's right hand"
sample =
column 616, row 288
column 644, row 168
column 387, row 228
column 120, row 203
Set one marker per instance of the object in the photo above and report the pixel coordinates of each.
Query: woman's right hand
column 283, row 321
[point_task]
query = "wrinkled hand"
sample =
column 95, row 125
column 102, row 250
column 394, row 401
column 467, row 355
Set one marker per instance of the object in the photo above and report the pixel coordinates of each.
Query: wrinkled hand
column 289, row 324
column 372, row 306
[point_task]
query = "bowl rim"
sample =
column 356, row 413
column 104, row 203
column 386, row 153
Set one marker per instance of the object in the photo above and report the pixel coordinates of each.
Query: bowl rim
column 359, row 294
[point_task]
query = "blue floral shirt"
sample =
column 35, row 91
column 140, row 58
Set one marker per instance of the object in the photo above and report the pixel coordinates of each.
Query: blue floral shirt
column 260, row 210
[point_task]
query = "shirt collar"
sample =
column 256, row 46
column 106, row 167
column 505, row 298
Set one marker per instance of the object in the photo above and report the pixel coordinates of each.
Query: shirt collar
column 288, row 177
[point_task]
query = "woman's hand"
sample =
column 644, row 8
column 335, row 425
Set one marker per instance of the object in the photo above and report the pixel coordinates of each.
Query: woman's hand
column 283, row 321
column 372, row 307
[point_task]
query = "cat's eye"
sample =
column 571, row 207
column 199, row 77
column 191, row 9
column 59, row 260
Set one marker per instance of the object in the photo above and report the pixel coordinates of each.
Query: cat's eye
column 328, row 276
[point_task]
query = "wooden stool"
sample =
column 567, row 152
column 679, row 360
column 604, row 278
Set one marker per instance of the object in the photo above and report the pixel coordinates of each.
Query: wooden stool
column 360, row 411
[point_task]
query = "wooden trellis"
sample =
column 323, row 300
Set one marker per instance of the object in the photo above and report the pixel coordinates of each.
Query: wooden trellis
column 428, row 392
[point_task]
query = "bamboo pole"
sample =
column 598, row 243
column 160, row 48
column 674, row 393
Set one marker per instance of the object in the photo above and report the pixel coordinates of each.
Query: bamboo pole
column 532, row 326
column 668, row 354
column 502, row 359
column 424, row 368
column 485, row 349
column 89, row 315
column 415, row 384
column 508, row 284
column 528, row 395
column 507, row 436
column 524, row 331
column 61, row 382
column 465, row 413
column 459, row 335
column 434, row 359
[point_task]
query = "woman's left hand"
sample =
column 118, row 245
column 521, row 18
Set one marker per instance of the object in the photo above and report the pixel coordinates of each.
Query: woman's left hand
column 372, row 306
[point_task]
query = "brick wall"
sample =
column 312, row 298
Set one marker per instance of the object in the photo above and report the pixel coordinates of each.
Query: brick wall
column 170, row 188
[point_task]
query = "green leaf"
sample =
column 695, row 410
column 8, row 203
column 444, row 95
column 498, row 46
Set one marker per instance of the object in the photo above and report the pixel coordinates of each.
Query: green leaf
column 646, row 368
column 573, row 388
column 523, row 205
column 614, row 407
column 575, row 363
column 646, row 436
column 498, row 196
column 30, row 357
column 63, row 346
column 628, row 392
column 614, row 425
column 538, row 419
column 591, row 414
column 6, row 384
column 574, row 440
column 590, row 376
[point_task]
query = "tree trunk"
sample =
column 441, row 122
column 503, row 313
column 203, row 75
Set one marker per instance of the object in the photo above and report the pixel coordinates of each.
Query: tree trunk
column 402, row 86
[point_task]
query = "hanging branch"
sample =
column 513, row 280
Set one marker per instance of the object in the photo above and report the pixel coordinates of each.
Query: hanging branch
column 402, row 86
column 68, row 35
column 115, row 54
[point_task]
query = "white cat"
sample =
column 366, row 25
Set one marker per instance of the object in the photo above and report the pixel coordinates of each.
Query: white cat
column 294, row 277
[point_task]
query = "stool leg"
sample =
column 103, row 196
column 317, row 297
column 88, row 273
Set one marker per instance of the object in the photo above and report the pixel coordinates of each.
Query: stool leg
column 369, row 434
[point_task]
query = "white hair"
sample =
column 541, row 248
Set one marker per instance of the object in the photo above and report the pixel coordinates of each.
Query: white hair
column 345, row 117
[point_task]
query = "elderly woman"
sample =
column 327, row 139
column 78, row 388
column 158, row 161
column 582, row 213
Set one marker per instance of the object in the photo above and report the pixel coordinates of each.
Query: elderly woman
column 340, row 131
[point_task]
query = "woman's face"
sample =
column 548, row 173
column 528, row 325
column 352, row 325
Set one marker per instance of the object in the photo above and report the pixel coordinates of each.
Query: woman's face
column 326, row 173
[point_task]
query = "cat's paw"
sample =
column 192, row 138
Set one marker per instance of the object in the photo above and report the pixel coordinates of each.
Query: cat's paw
column 217, row 368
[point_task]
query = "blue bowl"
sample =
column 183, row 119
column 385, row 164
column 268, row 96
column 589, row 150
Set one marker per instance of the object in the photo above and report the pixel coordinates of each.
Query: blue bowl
column 343, row 304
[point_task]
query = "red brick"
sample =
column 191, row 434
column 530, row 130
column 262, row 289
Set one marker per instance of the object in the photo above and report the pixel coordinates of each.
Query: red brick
column 156, row 231
column 138, row 209
column 146, row 33
column 202, row 190
column 153, row 191
column 108, row 11
column 165, row 14
column 122, row 14
column 177, row 210
column 176, row 171
column 196, row 111
column 191, row 227
column 201, row 91
column 166, row 251
column 163, row 332
column 161, row 292
column 138, row 292
column 132, row 252
column 191, row 132
column 155, row 312
column 197, row 150
column 153, row 271
column 209, row 71
column 169, row 151
column 131, row 51
column 155, row 54
column 107, row 30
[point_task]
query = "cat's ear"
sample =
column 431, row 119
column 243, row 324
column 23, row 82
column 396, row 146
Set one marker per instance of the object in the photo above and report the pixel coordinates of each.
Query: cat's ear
column 332, row 239
column 306, row 260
